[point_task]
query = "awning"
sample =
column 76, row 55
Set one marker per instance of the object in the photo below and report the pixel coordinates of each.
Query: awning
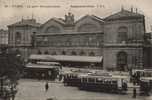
column 67, row 58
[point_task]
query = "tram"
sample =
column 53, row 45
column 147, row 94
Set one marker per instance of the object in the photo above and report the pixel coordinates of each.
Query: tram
column 72, row 78
column 144, row 79
column 145, row 85
column 103, row 84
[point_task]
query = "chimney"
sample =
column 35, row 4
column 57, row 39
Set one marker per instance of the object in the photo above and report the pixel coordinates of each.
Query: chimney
column 131, row 9
column 122, row 8
column 136, row 10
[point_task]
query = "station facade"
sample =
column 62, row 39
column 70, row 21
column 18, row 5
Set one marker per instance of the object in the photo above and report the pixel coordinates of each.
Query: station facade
column 119, row 38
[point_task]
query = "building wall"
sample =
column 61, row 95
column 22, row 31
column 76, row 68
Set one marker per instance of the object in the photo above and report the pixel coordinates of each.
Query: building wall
column 88, row 24
column 135, row 30
column 68, row 51
column 78, row 43
column 135, row 33
column 25, row 32
column 134, row 57
column 3, row 36
column 88, row 34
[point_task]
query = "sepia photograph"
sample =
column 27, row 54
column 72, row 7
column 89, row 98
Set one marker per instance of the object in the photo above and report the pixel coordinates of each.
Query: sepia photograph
column 75, row 50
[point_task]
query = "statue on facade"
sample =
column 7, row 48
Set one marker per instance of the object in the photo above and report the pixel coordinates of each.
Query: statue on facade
column 69, row 19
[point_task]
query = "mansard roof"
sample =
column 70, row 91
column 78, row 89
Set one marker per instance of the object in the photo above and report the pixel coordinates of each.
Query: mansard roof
column 23, row 22
column 124, row 14
column 92, row 17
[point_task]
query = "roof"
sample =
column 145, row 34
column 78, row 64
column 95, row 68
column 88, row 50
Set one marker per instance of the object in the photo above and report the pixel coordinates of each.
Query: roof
column 96, row 59
column 48, row 63
column 39, row 66
column 92, row 17
column 124, row 14
column 66, row 33
column 58, row 20
column 23, row 22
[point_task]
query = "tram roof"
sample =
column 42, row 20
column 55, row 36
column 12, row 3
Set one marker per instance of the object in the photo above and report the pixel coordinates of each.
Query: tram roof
column 48, row 63
column 67, row 58
column 39, row 66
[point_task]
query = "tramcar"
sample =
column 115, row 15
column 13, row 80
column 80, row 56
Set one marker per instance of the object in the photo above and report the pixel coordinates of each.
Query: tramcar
column 73, row 78
column 145, row 85
column 144, row 79
column 103, row 84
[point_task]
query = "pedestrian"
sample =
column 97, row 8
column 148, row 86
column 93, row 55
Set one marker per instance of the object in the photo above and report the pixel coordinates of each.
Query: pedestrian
column 46, row 86
column 134, row 93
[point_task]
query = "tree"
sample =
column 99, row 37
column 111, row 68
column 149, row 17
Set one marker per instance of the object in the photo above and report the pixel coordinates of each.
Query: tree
column 11, row 67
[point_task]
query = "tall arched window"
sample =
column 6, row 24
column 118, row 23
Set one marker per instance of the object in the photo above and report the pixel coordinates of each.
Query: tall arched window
column 122, row 34
column 63, row 53
column 54, row 53
column 122, row 61
column 82, row 53
column 18, row 37
column 91, row 54
column 46, row 52
column 39, row 52
column 73, row 53
column 52, row 29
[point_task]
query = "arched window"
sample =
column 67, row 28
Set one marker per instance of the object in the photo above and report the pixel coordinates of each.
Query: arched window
column 73, row 53
column 39, row 52
column 46, row 52
column 63, row 53
column 82, row 53
column 122, row 34
column 122, row 61
column 91, row 54
column 18, row 37
column 54, row 53
column 52, row 29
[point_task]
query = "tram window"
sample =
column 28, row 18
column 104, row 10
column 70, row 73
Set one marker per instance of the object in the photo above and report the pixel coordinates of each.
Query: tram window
column 33, row 61
column 84, row 79
column 114, row 82
column 91, row 80
column 99, row 80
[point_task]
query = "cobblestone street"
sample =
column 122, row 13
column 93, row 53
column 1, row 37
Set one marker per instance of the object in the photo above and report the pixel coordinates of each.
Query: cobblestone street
column 34, row 90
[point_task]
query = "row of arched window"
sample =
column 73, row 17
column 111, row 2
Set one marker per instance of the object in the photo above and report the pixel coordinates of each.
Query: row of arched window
column 87, row 27
column 121, row 37
column 81, row 53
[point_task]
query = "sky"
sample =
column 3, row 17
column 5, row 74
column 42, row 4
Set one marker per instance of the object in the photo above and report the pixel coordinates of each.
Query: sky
column 12, row 11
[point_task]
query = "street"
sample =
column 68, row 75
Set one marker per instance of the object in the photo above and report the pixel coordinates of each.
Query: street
column 35, row 90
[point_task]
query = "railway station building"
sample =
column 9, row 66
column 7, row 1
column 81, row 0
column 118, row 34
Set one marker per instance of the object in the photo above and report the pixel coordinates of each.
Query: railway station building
column 119, row 39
